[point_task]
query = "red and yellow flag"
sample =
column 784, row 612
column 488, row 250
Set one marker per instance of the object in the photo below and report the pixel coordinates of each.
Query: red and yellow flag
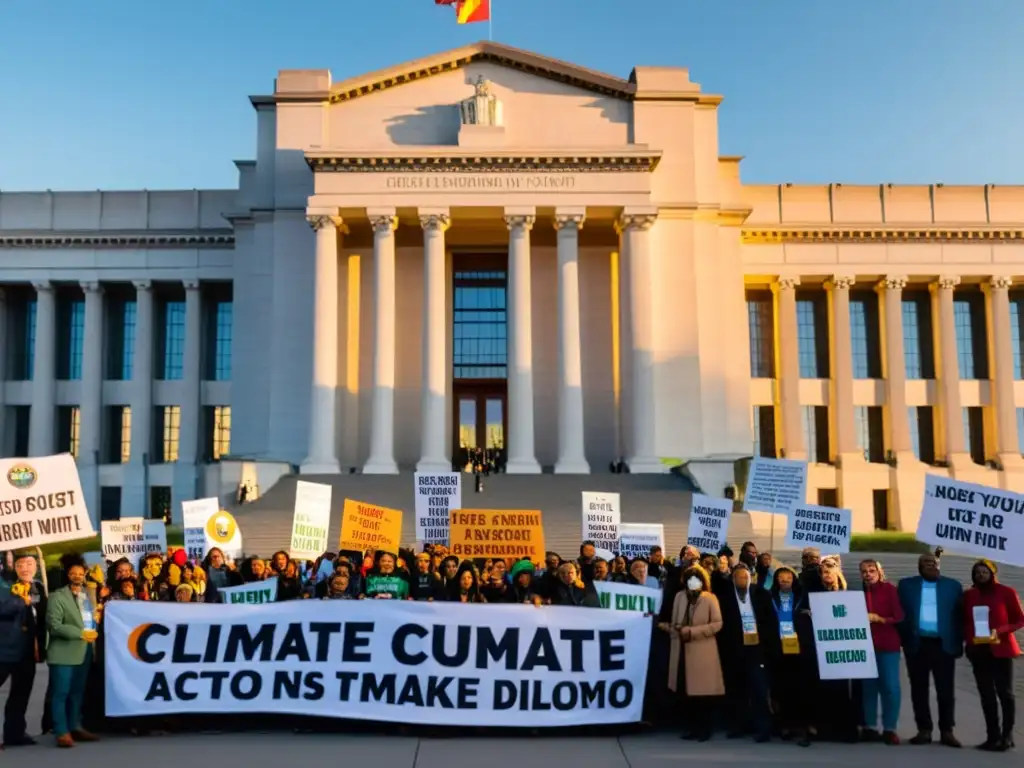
column 472, row 11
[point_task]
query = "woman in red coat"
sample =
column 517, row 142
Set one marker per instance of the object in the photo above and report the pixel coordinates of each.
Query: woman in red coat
column 884, row 613
column 992, row 613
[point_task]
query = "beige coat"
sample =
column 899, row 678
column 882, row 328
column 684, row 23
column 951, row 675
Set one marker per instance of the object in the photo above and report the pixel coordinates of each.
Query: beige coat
column 695, row 636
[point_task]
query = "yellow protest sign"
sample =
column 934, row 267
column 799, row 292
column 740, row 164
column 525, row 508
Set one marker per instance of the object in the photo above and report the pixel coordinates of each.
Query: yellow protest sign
column 497, row 533
column 367, row 525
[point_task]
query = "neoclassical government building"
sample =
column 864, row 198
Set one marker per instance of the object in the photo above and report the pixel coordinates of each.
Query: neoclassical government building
column 490, row 248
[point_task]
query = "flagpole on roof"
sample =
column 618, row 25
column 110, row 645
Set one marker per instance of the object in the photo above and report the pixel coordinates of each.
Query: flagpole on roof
column 490, row 22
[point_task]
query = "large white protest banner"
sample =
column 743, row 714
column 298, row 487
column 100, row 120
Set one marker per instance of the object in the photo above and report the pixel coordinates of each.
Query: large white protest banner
column 195, row 515
column 775, row 485
column 311, row 520
column 709, row 522
column 601, row 517
column 437, row 495
column 408, row 662
column 123, row 538
column 255, row 593
column 973, row 519
column 628, row 597
column 824, row 527
column 41, row 502
column 636, row 539
column 842, row 636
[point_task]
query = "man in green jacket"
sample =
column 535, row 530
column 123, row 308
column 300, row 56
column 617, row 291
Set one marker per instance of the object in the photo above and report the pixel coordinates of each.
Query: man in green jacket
column 71, row 620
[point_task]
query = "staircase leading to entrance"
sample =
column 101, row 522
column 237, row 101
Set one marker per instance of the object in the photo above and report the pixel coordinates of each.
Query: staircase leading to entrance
column 266, row 522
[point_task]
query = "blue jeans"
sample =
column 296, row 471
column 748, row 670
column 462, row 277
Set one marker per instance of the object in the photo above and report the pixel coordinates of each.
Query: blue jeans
column 886, row 686
column 68, row 685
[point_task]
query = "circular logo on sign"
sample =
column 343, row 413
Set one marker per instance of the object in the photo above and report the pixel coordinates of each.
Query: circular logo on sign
column 221, row 527
column 22, row 476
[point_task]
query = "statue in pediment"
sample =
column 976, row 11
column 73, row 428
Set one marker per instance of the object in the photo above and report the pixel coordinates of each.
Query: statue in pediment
column 483, row 107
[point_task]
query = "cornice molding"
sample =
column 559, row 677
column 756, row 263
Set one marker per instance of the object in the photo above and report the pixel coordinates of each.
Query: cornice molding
column 150, row 241
column 577, row 163
column 778, row 235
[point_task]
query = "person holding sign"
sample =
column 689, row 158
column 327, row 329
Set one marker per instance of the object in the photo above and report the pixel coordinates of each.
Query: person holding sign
column 71, row 620
column 696, row 620
column 992, row 613
column 743, row 606
column 932, row 641
column 884, row 613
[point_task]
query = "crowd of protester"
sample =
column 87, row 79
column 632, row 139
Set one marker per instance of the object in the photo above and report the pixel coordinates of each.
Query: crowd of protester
column 733, row 651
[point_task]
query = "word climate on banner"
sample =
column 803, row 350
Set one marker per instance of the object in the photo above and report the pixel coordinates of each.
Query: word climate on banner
column 637, row 539
column 973, row 519
column 41, row 502
column 775, row 485
column 311, row 520
column 497, row 533
column 367, row 525
column 842, row 636
column 628, row 597
column 601, row 517
column 437, row 495
column 824, row 527
column 709, row 523
column 407, row 662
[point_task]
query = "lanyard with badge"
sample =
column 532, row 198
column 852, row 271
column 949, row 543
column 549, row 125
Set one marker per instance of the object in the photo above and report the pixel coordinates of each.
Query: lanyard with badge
column 787, row 634
column 88, row 620
column 749, row 622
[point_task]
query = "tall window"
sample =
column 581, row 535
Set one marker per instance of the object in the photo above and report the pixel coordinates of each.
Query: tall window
column 917, row 336
column 867, row 357
column 816, row 433
column 870, row 436
column 761, row 322
column 121, row 338
column 218, row 431
column 172, row 352
column 22, row 414
column 1020, row 430
column 160, row 503
column 812, row 334
column 168, row 432
column 69, row 422
column 117, row 434
column 1016, row 319
column 922, row 432
column 480, row 350
column 21, row 334
column 764, row 431
column 969, row 319
column 974, row 433
column 220, row 369
column 70, row 339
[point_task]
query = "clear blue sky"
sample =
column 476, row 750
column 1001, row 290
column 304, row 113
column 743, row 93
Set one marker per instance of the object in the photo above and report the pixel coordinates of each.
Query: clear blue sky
column 128, row 94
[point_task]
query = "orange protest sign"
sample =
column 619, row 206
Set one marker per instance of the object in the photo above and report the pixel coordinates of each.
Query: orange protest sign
column 497, row 533
column 367, row 525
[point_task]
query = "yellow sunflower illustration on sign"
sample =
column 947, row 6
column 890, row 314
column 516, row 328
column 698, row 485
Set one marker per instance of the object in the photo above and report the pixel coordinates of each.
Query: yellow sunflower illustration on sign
column 221, row 528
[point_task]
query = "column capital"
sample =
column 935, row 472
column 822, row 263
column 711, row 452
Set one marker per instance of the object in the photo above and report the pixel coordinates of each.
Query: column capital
column 91, row 286
column 567, row 220
column 636, row 220
column 840, row 282
column 191, row 284
column 1000, row 282
column 383, row 223
column 523, row 220
column 320, row 221
column 42, row 285
column 143, row 285
column 893, row 282
column 435, row 221
column 946, row 282
column 786, row 283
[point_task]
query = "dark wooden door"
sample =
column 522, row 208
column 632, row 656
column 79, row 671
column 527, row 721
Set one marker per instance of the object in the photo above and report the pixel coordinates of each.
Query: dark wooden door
column 481, row 418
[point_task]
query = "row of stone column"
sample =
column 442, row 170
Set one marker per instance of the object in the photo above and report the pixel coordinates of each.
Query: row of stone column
column 434, row 451
column 42, row 417
column 894, row 366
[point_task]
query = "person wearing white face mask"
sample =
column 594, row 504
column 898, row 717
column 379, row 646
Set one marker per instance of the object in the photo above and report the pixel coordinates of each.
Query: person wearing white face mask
column 696, row 619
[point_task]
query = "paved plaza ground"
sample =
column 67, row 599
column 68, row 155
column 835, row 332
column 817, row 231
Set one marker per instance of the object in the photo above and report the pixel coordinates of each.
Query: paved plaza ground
column 653, row 750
